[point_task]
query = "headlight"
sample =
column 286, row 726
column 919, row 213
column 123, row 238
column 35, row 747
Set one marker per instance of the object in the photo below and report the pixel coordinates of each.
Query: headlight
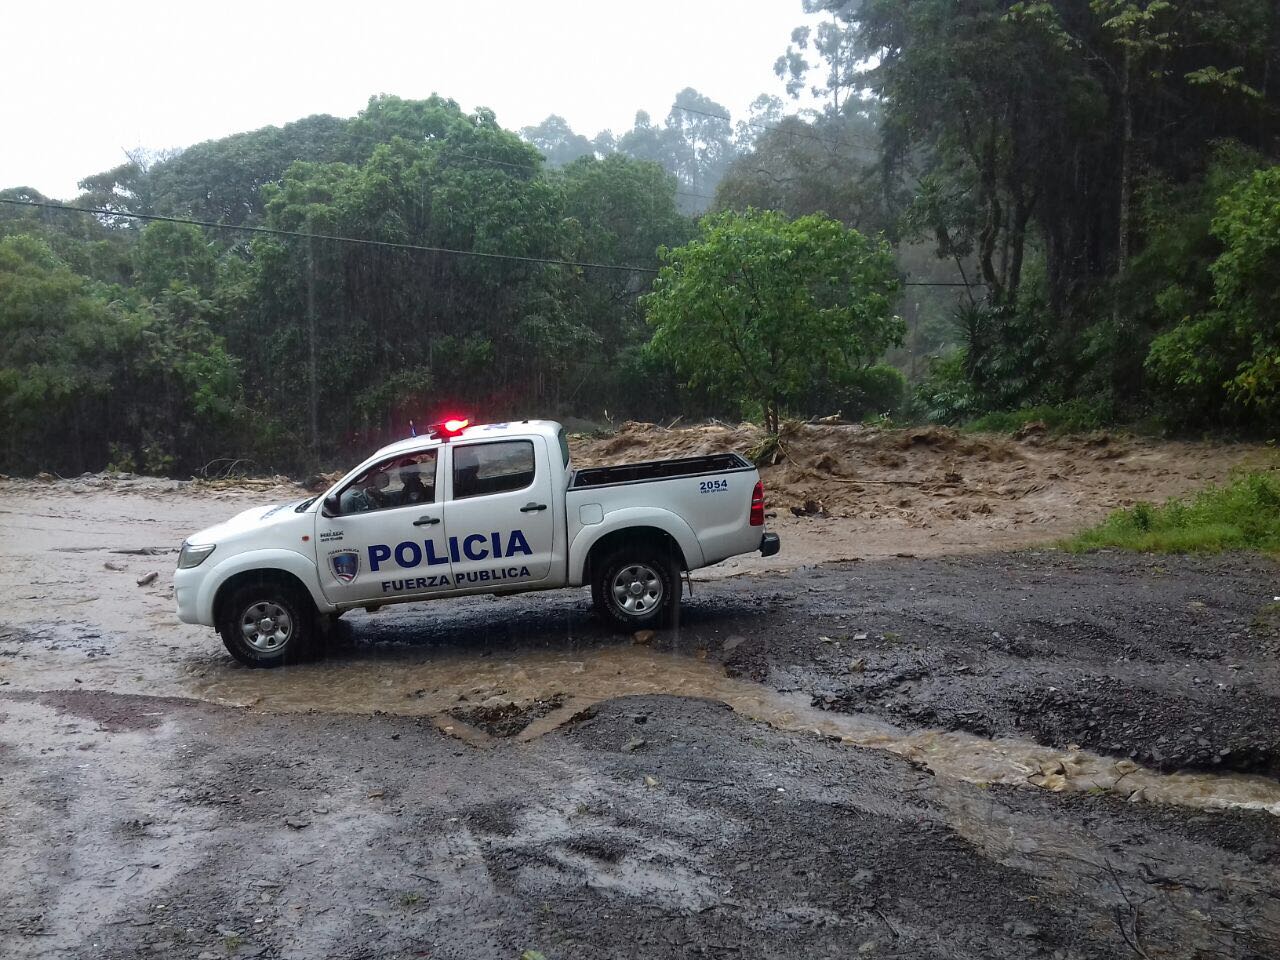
column 193, row 555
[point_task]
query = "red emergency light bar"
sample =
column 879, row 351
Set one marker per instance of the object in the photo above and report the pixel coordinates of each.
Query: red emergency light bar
column 449, row 428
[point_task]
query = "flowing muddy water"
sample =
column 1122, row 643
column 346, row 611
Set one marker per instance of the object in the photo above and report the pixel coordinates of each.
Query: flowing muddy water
column 452, row 687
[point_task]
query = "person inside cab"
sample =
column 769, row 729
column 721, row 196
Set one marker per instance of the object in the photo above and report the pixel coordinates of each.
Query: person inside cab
column 373, row 494
column 413, row 489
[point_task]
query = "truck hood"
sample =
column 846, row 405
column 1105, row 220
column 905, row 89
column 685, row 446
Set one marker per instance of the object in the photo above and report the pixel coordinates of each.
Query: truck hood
column 247, row 521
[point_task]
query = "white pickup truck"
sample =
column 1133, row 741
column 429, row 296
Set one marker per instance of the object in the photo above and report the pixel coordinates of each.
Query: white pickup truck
column 467, row 510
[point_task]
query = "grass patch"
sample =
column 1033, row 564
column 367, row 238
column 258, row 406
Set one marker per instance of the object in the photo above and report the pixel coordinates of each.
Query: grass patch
column 1244, row 514
column 1074, row 417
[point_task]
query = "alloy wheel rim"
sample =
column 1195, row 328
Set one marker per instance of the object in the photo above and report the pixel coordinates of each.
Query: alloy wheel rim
column 266, row 626
column 637, row 589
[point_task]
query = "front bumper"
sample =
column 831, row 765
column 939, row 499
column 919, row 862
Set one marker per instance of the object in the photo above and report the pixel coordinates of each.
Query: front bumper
column 770, row 543
column 186, row 591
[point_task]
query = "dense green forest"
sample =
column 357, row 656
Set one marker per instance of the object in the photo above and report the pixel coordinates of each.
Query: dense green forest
column 1071, row 205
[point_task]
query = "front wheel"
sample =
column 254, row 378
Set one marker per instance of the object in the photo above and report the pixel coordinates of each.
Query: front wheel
column 266, row 624
column 636, row 589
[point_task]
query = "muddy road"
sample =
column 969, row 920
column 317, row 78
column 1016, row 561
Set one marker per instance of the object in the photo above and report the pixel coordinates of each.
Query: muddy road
column 1012, row 752
column 1007, row 755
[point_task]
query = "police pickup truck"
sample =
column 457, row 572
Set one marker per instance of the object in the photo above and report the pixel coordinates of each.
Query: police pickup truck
column 468, row 510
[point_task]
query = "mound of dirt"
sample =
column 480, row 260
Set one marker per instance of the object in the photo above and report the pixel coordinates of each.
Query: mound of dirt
column 933, row 489
column 507, row 718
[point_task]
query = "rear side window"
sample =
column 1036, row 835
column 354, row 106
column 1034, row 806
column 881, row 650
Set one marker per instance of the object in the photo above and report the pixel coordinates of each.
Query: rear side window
column 481, row 469
column 564, row 446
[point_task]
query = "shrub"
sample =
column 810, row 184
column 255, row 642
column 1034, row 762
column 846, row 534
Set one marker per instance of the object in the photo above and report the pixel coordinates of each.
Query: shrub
column 1243, row 514
column 1075, row 416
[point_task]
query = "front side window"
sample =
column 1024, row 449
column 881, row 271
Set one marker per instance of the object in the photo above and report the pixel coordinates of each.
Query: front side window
column 398, row 482
column 480, row 469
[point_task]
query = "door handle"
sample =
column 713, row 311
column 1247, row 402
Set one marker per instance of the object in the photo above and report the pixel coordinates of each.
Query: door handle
column 533, row 507
column 426, row 521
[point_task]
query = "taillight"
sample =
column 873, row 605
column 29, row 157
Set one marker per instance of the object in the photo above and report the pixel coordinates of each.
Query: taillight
column 757, row 505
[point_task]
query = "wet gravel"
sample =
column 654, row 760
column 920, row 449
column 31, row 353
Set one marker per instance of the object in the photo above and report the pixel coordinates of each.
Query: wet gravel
column 1173, row 661
column 660, row 826
column 233, row 834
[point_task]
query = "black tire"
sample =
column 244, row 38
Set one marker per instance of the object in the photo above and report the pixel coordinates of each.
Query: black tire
column 653, row 599
column 292, row 616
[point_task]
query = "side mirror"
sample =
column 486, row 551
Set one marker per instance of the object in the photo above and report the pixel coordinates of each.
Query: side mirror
column 332, row 506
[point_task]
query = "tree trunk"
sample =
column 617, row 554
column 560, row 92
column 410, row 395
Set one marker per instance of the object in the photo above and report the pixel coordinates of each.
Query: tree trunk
column 1017, row 244
column 991, row 228
column 1126, row 160
column 313, row 392
column 771, row 409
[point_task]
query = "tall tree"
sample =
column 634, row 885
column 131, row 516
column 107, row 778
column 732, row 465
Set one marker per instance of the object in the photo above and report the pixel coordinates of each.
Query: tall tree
column 373, row 336
column 758, row 307
column 556, row 141
column 623, row 211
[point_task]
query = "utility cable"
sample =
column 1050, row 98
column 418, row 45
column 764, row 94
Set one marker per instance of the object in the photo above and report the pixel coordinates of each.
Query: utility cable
column 102, row 212
column 97, row 211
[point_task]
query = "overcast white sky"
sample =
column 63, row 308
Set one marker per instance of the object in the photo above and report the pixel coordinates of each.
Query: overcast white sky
column 84, row 81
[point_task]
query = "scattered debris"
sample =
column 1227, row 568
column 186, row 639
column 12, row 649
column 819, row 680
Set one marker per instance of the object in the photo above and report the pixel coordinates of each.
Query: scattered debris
column 634, row 744
column 1035, row 428
column 147, row 578
column 506, row 718
column 643, row 637
column 811, row 508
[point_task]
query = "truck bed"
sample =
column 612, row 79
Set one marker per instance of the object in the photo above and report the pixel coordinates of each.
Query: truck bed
column 658, row 470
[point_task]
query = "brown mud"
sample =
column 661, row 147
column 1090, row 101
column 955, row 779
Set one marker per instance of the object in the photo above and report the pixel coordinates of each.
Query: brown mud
column 867, row 492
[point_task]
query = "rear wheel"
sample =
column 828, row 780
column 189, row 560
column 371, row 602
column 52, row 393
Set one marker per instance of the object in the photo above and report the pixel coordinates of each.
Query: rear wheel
column 636, row 589
column 266, row 624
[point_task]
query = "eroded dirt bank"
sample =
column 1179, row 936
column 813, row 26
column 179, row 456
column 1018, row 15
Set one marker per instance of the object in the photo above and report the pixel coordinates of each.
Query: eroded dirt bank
column 929, row 491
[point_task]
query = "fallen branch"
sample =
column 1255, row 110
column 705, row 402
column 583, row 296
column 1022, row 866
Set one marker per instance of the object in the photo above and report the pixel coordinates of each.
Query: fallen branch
column 1135, row 942
column 224, row 473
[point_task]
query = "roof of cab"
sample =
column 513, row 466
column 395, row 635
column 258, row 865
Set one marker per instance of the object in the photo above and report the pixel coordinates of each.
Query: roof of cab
column 480, row 431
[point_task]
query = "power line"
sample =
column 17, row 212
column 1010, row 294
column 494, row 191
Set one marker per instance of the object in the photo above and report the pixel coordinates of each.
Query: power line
column 501, row 163
column 97, row 211
column 103, row 212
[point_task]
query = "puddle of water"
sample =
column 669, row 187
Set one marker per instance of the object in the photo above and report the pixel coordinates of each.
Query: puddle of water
column 412, row 686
